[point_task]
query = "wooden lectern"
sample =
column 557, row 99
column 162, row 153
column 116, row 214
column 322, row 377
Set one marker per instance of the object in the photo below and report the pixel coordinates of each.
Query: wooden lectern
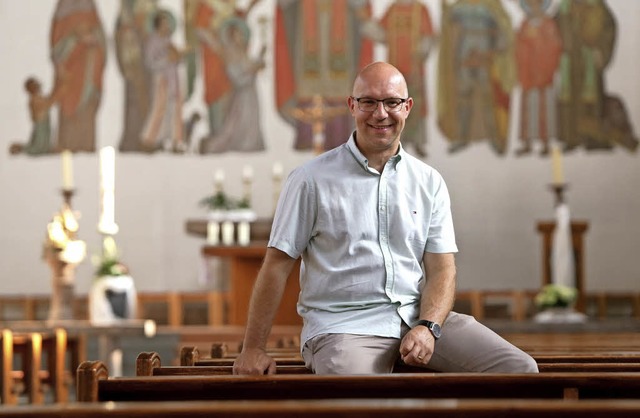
column 244, row 264
column 578, row 229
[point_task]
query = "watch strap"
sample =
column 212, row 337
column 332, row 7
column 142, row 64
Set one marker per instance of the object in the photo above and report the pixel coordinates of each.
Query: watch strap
column 430, row 325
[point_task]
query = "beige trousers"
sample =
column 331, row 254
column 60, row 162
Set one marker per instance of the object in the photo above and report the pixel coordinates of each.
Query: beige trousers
column 465, row 346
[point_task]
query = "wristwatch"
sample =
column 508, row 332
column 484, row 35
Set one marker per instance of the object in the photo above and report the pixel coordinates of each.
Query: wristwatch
column 433, row 327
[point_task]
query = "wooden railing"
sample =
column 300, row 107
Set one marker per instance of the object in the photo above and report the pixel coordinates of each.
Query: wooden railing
column 210, row 307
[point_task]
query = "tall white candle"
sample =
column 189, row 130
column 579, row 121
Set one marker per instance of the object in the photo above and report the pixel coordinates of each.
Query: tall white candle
column 244, row 233
column 67, row 170
column 556, row 163
column 247, row 181
column 228, row 230
column 107, row 191
column 218, row 179
column 107, row 168
column 247, row 173
column 213, row 232
column 277, row 172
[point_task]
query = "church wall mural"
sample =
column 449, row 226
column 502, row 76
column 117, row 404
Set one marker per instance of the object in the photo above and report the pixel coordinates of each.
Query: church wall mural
column 194, row 94
column 558, row 56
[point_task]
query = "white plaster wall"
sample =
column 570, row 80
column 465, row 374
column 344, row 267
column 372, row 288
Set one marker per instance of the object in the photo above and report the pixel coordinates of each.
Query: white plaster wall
column 496, row 201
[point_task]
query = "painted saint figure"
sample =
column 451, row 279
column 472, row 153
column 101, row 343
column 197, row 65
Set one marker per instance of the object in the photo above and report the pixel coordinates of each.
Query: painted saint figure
column 241, row 128
column 476, row 72
column 40, row 141
column 132, row 30
column 318, row 51
column 78, row 52
column 538, row 49
column 164, row 121
column 408, row 33
column 204, row 19
column 588, row 116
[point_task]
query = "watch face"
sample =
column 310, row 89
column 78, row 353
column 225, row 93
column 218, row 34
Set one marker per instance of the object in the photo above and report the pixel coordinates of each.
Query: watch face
column 437, row 332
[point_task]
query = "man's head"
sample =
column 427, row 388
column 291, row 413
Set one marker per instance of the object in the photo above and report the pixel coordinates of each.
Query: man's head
column 379, row 125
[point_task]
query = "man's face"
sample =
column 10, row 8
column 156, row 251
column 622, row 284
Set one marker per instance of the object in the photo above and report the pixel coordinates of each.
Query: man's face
column 379, row 129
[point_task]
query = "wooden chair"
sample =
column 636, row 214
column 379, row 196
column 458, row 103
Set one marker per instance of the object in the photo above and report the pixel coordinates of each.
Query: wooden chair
column 26, row 379
column 46, row 360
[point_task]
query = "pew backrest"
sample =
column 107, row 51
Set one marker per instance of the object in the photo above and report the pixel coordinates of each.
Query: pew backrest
column 95, row 385
column 347, row 408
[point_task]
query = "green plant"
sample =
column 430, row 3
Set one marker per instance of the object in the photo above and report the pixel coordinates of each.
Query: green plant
column 556, row 296
column 218, row 201
column 111, row 268
column 108, row 264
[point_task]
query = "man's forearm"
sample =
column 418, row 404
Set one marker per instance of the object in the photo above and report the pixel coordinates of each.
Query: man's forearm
column 439, row 291
column 266, row 296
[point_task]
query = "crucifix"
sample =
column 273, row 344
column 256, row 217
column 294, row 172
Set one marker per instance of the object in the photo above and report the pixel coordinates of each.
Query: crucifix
column 316, row 115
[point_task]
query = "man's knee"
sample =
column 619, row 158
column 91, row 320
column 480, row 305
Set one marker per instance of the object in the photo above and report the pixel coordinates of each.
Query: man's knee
column 527, row 364
column 516, row 362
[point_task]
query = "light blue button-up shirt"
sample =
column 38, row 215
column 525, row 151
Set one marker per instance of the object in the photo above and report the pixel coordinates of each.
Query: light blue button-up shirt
column 362, row 236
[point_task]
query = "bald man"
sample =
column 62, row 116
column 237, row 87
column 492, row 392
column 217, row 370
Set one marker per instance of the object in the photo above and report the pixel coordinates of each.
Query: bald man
column 366, row 217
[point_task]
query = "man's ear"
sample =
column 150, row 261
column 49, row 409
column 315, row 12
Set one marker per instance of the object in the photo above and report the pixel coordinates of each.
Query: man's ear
column 409, row 104
column 352, row 104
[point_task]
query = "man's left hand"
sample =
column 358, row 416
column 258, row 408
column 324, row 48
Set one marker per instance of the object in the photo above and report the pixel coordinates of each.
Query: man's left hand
column 416, row 347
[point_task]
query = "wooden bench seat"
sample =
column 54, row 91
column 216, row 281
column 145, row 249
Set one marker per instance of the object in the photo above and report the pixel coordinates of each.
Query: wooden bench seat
column 95, row 385
column 348, row 408
column 190, row 356
column 150, row 364
column 588, row 367
column 574, row 342
column 584, row 362
column 588, row 358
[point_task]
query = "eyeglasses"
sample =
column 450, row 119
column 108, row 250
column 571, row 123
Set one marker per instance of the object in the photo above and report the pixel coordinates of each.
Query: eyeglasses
column 367, row 104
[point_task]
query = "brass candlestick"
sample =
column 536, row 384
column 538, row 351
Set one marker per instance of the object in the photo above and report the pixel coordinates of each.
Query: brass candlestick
column 559, row 190
column 63, row 252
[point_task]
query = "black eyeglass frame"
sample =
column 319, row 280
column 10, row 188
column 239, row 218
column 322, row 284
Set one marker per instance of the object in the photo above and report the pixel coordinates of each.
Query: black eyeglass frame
column 384, row 105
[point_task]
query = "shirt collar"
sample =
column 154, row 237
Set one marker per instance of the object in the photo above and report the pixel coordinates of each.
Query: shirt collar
column 362, row 160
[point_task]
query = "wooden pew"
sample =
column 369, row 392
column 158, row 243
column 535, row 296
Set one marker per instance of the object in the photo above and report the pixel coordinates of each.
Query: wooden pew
column 190, row 357
column 577, row 342
column 575, row 367
column 95, row 385
column 150, row 364
column 588, row 358
column 348, row 408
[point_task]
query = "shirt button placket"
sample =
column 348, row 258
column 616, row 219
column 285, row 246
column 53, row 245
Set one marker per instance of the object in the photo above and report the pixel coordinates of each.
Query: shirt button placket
column 383, row 215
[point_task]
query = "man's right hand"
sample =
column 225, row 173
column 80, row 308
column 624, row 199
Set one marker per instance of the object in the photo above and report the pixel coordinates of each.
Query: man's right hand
column 254, row 361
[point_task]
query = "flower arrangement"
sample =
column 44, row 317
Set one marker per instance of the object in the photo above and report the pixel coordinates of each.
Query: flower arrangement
column 556, row 296
column 220, row 201
column 108, row 264
column 217, row 201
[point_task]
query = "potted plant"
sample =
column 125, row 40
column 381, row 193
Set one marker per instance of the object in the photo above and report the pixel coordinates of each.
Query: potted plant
column 112, row 297
column 555, row 303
